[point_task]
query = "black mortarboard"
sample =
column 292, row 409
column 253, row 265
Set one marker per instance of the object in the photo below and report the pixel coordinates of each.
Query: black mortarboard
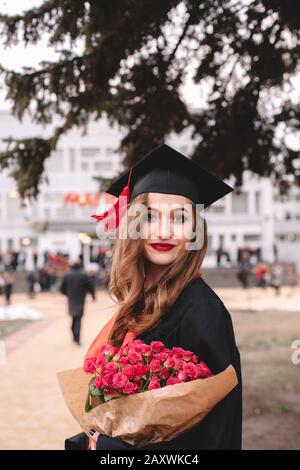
column 165, row 170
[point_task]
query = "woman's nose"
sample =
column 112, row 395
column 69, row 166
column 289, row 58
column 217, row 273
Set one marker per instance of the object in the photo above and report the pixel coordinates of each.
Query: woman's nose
column 165, row 230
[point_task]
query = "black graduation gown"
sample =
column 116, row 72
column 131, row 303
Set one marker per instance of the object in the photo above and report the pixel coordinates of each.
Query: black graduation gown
column 199, row 322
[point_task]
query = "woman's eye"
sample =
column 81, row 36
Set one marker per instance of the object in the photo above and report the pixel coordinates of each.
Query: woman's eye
column 180, row 218
column 149, row 217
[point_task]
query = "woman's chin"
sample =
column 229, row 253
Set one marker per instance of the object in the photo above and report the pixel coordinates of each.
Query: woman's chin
column 161, row 258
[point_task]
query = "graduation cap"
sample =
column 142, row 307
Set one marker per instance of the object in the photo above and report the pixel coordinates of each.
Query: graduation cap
column 163, row 170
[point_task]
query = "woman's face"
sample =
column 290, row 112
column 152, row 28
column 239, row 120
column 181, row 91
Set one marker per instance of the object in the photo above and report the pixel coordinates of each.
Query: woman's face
column 167, row 227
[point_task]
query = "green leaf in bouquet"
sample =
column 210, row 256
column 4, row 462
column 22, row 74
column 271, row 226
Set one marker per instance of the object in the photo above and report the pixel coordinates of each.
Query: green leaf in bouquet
column 87, row 403
column 91, row 385
column 89, row 394
column 96, row 392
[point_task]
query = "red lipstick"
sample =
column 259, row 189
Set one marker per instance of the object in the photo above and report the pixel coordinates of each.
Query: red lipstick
column 162, row 246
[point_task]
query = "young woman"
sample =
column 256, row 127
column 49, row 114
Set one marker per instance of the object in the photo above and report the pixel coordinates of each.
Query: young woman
column 157, row 283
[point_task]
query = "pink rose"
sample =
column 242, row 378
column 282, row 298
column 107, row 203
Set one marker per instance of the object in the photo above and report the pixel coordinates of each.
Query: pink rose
column 195, row 358
column 173, row 381
column 107, row 380
column 111, row 367
column 98, row 383
column 178, row 351
column 124, row 360
column 162, row 356
column 155, row 365
column 145, row 350
column 156, row 346
column 124, row 350
column 137, row 345
column 101, row 359
column 178, row 364
column 89, row 365
column 111, row 351
column 134, row 357
column 137, row 380
column 203, row 370
column 130, row 388
column 140, row 369
column 182, row 376
column 187, row 356
column 120, row 380
column 129, row 370
column 136, row 342
column 165, row 373
column 154, row 383
column 170, row 363
column 191, row 370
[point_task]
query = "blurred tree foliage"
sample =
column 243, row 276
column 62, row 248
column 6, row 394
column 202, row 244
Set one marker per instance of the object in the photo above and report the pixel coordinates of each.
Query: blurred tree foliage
column 135, row 57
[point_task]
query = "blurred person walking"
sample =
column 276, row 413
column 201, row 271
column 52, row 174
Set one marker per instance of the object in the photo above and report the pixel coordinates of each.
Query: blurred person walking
column 35, row 258
column 276, row 273
column 261, row 274
column 75, row 285
column 244, row 273
column 292, row 279
column 8, row 282
column 31, row 284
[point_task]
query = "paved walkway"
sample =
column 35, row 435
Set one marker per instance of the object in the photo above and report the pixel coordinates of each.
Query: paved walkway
column 32, row 410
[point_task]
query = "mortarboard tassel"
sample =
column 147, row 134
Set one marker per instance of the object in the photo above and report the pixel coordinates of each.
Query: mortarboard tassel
column 115, row 213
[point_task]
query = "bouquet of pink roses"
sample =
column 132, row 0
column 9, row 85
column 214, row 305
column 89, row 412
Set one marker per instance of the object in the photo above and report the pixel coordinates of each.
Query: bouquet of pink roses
column 137, row 367
column 178, row 389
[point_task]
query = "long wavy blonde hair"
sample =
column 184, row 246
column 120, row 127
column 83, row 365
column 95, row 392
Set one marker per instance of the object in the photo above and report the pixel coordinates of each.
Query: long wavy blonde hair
column 127, row 277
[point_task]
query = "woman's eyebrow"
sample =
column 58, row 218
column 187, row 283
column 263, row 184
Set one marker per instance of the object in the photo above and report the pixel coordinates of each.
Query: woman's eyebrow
column 171, row 210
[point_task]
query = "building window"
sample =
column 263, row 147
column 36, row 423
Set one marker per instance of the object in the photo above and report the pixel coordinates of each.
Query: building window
column 257, row 202
column 217, row 209
column 84, row 166
column 252, row 237
column 90, row 152
column 240, row 203
column 72, row 160
column 103, row 165
column 109, row 151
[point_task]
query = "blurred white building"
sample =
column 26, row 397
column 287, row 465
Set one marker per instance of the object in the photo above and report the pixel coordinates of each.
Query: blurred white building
column 255, row 218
